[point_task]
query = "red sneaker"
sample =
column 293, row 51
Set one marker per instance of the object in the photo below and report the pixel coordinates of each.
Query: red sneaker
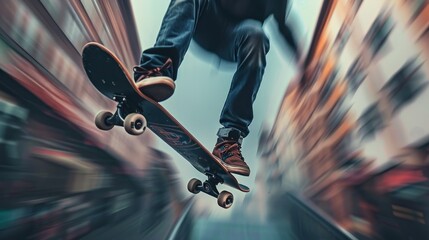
column 229, row 151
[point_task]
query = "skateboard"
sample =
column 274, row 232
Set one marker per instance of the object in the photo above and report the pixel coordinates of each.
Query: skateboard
column 136, row 112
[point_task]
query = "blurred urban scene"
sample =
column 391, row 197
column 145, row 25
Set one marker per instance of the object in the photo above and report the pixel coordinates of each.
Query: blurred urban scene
column 347, row 156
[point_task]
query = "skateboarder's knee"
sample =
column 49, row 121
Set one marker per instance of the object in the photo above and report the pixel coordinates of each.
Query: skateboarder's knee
column 252, row 31
column 253, row 44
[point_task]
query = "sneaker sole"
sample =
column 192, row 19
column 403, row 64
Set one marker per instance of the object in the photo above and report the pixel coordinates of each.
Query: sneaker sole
column 157, row 88
column 243, row 171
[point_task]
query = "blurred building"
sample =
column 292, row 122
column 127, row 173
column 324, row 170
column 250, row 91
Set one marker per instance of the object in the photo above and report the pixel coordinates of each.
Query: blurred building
column 354, row 140
column 41, row 51
column 59, row 175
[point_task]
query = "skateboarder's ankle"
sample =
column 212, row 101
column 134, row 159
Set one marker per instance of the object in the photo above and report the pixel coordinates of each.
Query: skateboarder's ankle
column 229, row 134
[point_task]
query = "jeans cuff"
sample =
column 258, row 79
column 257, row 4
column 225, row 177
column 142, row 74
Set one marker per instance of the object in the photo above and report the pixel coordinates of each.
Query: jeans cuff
column 231, row 133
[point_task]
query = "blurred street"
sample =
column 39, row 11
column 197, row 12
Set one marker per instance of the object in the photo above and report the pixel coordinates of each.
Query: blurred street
column 136, row 227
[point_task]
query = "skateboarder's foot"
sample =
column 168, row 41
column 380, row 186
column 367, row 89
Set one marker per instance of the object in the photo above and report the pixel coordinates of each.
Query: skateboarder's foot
column 229, row 151
column 153, row 84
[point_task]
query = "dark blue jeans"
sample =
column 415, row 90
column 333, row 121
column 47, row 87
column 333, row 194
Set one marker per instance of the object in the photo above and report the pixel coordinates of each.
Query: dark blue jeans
column 243, row 42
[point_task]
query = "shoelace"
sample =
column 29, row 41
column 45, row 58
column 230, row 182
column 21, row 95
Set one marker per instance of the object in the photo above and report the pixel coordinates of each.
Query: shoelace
column 156, row 71
column 234, row 149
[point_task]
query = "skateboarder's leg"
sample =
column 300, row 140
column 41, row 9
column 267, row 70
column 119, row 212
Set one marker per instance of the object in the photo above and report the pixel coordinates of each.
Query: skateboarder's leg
column 249, row 48
column 247, row 45
column 174, row 37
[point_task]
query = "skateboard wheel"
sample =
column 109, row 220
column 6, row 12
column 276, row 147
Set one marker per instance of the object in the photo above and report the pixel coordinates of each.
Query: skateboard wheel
column 100, row 120
column 193, row 185
column 225, row 199
column 135, row 124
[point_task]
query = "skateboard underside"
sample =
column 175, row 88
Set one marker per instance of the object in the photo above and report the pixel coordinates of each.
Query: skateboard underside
column 110, row 78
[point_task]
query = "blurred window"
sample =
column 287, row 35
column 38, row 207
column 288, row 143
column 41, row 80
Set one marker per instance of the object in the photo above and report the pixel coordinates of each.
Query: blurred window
column 406, row 84
column 325, row 93
column 338, row 106
column 342, row 37
column 379, row 32
column 336, row 119
column 344, row 147
column 12, row 118
column 371, row 121
column 355, row 75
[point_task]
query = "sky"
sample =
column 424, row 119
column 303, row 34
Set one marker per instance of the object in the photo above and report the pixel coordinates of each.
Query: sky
column 203, row 83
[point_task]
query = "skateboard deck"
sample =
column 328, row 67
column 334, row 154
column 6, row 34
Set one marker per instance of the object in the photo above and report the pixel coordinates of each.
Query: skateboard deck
column 111, row 78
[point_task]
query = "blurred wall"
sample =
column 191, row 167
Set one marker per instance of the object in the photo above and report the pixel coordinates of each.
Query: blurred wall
column 41, row 43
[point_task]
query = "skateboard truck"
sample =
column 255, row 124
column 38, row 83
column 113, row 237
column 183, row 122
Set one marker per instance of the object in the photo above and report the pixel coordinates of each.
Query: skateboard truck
column 224, row 199
column 134, row 123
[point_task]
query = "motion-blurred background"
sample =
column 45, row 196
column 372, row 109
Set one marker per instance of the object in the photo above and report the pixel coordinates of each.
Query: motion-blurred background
column 345, row 158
